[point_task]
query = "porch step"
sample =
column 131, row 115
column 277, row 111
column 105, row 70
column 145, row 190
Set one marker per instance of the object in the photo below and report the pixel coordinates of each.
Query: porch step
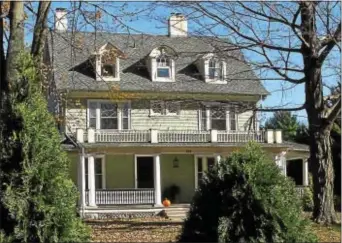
column 176, row 213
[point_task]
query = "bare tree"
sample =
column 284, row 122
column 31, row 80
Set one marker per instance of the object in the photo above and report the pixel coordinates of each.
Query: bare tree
column 294, row 43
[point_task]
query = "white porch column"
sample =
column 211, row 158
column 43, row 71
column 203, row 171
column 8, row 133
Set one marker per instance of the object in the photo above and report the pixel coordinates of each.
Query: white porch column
column 91, row 181
column 305, row 172
column 157, row 184
column 81, row 181
column 218, row 158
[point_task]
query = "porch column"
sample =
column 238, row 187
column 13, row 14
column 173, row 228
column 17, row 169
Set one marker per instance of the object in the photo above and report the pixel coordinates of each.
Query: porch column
column 305, row 172
column 157, row 186
column 91, row 181
column 218, row 158
column 81, row 180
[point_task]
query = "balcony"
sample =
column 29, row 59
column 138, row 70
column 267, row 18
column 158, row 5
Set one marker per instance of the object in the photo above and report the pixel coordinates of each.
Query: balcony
column 176, row 136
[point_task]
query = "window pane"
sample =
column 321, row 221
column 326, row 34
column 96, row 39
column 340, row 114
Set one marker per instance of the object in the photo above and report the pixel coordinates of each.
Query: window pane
column 108, row 70
column 218, row 124
column 98, row 182
column 92, row 110
column 157, row 107
column 232, row 118
column 199, row 165
column 125, row 123
column 108, row 110
column 211, row 162
column 212, row 72
column 203, row 119
column 125, row 110
column 172, row 107
column 92, row 122
column 163, row 72
column 98, row 166
column 109, row 123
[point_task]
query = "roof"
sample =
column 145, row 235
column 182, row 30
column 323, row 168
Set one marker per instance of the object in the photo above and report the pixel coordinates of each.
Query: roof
column 72, row 73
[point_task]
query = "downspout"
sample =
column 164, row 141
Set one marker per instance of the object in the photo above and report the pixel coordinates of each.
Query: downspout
column 81, row 148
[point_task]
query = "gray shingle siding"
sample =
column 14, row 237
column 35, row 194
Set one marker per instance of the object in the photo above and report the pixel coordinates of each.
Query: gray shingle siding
column 134, row 75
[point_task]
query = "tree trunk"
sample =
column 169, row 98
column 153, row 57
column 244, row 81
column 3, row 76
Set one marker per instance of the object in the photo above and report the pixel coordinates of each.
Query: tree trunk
column 323, row 181
column 16, row 42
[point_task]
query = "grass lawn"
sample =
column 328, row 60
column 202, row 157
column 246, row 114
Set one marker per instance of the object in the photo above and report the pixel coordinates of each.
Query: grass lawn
column 164, row 230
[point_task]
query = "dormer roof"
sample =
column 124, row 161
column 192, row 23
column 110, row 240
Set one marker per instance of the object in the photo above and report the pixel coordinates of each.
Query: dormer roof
column 133, row 70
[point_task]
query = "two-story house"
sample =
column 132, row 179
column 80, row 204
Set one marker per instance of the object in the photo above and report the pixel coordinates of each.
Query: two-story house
column 145, row 112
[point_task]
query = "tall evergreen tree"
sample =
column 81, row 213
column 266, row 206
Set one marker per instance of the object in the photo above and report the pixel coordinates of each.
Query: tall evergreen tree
column 38, row 195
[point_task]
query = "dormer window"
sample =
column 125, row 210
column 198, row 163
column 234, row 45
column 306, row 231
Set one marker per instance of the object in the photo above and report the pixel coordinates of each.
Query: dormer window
column 216, row 70
column 108, row 63
column 212, row 68
column 161, row 64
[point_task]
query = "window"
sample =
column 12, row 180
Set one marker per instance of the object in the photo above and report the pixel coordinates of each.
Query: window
column 108, row 116
column 203, row 164
column 216, row 70
column 126, row 116
column 164, row 108
column 108, row 70
column 204, row 119
column 99, row 173
column 105, row 115
column 163, row 66
column 218, row 118
column 232, row 120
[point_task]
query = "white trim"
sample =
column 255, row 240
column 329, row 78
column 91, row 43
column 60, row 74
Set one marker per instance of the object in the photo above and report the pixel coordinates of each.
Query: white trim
column 103, row 167
column 165, row 110
column 119, row 106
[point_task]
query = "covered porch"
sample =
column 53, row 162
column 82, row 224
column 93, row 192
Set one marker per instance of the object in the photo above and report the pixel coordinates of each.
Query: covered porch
column 112, row 178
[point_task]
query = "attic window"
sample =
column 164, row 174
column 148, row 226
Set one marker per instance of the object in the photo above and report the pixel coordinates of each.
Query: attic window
column 216, row 69
column 163, row 66
column 108, row 70
column 108, row 63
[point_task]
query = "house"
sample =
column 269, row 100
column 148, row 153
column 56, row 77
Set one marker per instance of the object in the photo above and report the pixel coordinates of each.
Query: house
column 143, row 112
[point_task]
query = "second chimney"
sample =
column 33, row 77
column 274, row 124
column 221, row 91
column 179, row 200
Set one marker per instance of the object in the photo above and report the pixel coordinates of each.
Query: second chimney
column 178, row 25
column 61, row 20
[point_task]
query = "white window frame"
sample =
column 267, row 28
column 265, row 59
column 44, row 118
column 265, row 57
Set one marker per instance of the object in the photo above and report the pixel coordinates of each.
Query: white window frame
column 204, row 165
column 99, row 76
column 208, row 125
column 119, row 113
column 165, row 110
column 153, row 67
column 218, row 63
column 103, row 165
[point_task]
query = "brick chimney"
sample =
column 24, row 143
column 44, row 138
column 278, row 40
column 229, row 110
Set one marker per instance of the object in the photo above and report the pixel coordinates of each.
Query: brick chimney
column 178, row 25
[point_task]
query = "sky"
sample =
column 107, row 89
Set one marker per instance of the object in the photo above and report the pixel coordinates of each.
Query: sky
column 155, row 22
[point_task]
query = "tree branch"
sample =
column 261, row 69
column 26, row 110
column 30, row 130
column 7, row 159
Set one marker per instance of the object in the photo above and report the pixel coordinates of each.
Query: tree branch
column 329, row 44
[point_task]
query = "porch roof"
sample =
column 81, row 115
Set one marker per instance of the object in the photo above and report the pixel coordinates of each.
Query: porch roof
column 292, row 146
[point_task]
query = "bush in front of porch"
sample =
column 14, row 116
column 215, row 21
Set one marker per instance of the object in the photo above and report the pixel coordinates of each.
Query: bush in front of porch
column 246, row 199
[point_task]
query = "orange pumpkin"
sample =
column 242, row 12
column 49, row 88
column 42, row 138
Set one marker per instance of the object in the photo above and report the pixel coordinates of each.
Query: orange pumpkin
column 166, row 202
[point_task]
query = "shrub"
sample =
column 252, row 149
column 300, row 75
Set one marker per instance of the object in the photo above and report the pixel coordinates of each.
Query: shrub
column 307, row 199
column 246, row 199
column 40, row 197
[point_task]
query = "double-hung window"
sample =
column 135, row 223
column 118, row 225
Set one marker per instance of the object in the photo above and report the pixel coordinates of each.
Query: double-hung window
column 108, row 115
column 99, row 173
column 216, row 70
column 233, row 120
column 170, row 108
column 218, row 118
column 203, row 164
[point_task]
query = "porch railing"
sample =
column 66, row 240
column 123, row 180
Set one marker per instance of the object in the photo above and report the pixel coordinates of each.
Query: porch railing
column 123, row 197
column 300, row 190
column 122, row 136
column 176, row 136
column 240, row 136
column 188, row 136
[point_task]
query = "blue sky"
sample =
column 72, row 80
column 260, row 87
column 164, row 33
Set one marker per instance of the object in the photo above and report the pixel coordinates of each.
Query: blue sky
column 155, row 22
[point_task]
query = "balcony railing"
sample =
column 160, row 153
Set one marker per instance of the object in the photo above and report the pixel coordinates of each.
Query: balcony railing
column 177, row 136
column 122, row 197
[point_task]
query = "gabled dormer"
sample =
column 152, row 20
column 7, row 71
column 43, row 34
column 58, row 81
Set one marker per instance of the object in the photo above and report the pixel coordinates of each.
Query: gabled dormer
column 161, row 64
column 108, row 63
column 212, row 68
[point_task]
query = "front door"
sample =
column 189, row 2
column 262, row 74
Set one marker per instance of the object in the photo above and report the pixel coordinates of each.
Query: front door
column 145, row 176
